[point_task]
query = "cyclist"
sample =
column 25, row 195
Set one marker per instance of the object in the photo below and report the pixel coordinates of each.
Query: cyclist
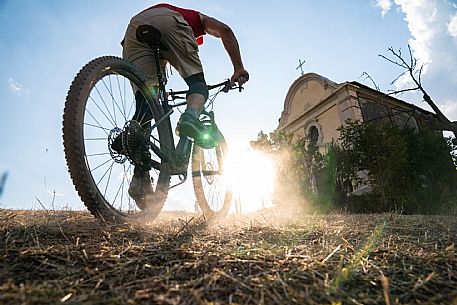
column 182, row 30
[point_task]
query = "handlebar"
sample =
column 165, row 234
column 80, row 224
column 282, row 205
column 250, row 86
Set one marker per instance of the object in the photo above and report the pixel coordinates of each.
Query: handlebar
column 227, row 86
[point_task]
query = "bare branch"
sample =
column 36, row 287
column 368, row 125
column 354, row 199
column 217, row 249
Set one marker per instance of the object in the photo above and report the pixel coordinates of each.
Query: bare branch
column 420, row 74
column 405, row 64
column 395, row 80
column 367, row 76
column 412, row 60
column 391, row 61
column 395, row 92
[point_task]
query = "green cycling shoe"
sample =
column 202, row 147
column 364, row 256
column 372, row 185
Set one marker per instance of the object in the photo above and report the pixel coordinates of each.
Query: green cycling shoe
column 192, row 127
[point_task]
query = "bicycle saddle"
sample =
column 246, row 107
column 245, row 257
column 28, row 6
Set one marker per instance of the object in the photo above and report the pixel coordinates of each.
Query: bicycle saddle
column 148, row 34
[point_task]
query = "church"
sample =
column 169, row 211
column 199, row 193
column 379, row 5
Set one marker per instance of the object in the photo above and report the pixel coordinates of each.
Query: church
column 315, row 107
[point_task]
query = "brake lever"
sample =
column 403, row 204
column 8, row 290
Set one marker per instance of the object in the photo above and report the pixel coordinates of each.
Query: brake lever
column 228, row 86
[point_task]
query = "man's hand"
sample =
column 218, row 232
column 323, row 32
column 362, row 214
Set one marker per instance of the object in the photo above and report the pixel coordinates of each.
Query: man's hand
column 240, row 76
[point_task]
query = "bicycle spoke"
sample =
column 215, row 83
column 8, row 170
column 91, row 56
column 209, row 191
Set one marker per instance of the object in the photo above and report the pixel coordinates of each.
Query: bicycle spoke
column 215, row 197
column 144, row 114
column 109, row 178
column 124, row 178
column 103, row 112
column 120, row 96
column 92, row 170
column 120, row 189
column 99, row 154
column 100, row 127
column 125, row 98
column 111, row 166
column 130, row 110
column 112, row 98
column 112, row 121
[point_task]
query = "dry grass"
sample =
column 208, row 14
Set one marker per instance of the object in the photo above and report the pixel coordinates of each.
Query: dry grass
column 71, row 258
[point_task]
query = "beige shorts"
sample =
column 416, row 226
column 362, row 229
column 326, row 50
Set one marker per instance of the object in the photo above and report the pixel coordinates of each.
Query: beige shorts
column 177, row 36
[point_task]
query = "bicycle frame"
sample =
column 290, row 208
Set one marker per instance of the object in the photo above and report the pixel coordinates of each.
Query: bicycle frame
column 177, row 157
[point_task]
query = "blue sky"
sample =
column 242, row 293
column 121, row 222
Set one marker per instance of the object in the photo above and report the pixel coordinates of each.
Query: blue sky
column 44, row 43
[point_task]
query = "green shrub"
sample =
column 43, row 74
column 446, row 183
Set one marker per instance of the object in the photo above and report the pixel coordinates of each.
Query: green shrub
column 407, row 170
column 297, row 166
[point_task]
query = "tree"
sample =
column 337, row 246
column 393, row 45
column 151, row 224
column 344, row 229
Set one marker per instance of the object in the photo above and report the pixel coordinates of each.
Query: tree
column 415, row 73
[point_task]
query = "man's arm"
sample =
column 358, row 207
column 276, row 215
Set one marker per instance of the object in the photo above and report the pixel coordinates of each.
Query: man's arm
column 218, row 29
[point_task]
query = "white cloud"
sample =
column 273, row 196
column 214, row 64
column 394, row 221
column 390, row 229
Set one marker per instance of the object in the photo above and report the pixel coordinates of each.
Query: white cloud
column 385, row 6
column 17, row 88
column 423, row 18
column 449, row 109
column 452, row 26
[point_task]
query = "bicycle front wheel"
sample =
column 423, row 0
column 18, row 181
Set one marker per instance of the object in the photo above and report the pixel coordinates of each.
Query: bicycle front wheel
column 212, row 188
column 101, row 110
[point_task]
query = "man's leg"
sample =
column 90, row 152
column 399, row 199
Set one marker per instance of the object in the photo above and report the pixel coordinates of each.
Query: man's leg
column 198, row 91
column 189, row 124
column 143, row 111
column 195, row 101
column 140, row 185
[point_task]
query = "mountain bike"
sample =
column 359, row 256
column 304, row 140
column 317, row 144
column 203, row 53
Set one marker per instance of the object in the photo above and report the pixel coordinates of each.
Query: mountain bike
column 105, row 137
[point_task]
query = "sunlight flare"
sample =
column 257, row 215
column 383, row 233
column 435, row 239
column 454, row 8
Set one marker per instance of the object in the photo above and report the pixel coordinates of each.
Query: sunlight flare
column 251, row 174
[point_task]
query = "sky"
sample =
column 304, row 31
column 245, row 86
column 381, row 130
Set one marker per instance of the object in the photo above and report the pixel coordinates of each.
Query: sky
column 44, row 43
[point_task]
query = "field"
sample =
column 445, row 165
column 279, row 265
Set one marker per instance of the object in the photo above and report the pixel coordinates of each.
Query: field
column 64, row 257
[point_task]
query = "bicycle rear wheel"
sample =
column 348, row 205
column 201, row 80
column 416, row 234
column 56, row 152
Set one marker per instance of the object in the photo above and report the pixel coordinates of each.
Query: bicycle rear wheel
column 99, row 108
column 212, row 189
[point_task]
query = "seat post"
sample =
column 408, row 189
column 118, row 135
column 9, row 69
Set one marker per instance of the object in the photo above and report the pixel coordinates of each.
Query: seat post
column 160, row 76
column 150, row 35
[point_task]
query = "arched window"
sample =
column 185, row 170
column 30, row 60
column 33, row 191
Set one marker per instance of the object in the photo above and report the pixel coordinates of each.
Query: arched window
column 313, row 135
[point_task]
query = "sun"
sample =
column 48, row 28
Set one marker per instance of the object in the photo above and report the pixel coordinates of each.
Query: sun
column 251, row 174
